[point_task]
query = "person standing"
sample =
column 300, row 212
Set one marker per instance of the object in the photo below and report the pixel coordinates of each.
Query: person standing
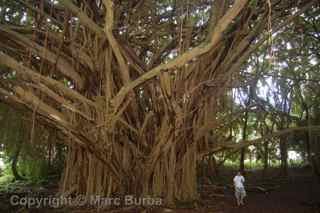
column 240, row 192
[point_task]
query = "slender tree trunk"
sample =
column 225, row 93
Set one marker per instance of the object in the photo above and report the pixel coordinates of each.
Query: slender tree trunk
column 310, row 155
column 50, row 149
column 284, row 123
column 242, row 158
column 14, row 163
column 244, row 137
column 212, row 166
column 284, row 156
column 265, row 157
column 245, row 126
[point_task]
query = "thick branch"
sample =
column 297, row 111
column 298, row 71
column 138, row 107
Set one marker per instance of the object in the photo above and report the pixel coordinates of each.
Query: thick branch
column 35, row 77
column 181, row 60
column 84, row 19
column 61, row 100
column 109, row 19
column 63, row 65
column 30, row 99
column 246, row 143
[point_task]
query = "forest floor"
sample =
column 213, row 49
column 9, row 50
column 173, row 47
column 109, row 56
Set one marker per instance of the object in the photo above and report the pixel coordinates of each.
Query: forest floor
column 299, row 193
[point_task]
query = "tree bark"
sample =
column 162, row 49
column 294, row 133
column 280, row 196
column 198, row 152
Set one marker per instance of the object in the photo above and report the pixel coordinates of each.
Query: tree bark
column 173, row 177
column 244, row 137
column 284, row 156
column 213, row 169
column 310, row 153
column 265, row 157
column 84, row 174
column 168, row 178
column 15, row 160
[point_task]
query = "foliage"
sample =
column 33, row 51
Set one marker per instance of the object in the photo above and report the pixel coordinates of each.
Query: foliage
column 32, row 158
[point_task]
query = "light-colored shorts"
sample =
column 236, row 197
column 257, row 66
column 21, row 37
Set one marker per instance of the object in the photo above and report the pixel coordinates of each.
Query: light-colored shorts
column 240, row 192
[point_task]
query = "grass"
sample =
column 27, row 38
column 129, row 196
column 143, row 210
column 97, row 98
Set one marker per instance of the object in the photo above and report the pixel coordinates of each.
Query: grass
column 5, row 179
column 257, row 165
column 229, row 168
column 8, row 183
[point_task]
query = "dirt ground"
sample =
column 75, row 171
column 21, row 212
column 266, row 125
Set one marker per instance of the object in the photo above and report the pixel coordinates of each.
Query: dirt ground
column 296, row 194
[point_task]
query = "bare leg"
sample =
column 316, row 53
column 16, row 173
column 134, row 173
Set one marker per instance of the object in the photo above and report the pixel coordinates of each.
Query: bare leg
column 238, row 198
column 238, row 202
column 242, row 198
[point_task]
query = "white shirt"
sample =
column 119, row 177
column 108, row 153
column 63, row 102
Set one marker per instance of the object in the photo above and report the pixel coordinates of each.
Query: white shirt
column 238, row 181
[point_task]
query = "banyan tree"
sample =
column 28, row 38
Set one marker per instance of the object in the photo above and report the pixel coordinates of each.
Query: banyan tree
column 134, row 86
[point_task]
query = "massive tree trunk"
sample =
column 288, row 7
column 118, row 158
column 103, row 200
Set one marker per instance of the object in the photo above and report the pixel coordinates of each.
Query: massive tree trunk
column 135, row 105
column 171, row 176
column 85, row 174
